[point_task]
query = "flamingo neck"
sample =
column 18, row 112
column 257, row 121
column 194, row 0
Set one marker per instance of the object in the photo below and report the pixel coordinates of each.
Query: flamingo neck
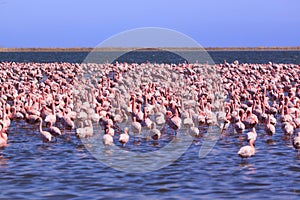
column 251, row 143
column 53, row 107
column 287, row 110
column 3, row 111
column 118, row 100
column 263, row 107
column 253, row 105
column 282, row 111
column 40, row 127
column 4, row 135
column 133, row 105
column 153, row 126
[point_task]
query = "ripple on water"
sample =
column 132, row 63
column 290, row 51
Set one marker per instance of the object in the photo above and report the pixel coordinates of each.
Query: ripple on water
column 66, row 169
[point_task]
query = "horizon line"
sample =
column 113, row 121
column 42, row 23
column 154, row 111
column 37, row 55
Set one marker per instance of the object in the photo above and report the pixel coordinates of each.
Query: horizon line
column 84, row 49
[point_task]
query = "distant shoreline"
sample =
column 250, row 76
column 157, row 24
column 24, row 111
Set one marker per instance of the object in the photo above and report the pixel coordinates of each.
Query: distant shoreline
column 149, row 49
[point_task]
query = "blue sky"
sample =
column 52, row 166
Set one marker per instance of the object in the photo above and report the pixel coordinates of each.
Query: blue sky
column 86, row 23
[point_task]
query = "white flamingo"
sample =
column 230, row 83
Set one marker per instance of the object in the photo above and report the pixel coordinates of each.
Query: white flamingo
column 247, row 151
column 107, row 140
column 124, row 137
column 154, row 132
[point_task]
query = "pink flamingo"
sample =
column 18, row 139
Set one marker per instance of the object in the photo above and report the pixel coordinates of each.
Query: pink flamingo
column 269, row 128
column 136, row 127
column 251, row 120
column 3, row 136
column 288, row 128
column 67, row 121
column 5, row 117
column 174, row 120
column 31, row 119
column 296, row 142
column 285, row 115
column 239, row 126
column 54, row 130
column 297, row 119
column 46, row 136
column 52, row 117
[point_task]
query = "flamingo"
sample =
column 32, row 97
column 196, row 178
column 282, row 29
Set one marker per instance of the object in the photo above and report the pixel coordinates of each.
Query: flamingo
column 239, row 126
column 136, row 127
column 31, row 119
column 18, row 116
column 194, row 131
column 52, row 117
column 109, row 130
column 273, row 120
column 159, row 117
column 269, row 128
column 154, row 132
column 136, row 110
column 296, row 142
column 146, row 121
column 209, row 117
column 5, row 118
column 252, row 135
column 118, row 117
column 15, row 115
column 188, row 121
column 224, row 119
column 201, row 118
column 247, row 151
column 46, row 136
column 285, row 115
column 173, row 121
column 297, row 119
column 84, row 132
column 251, row 120
column 288, row 128
column 67, row 121
column 124, row 137
column 107, row 140
column 54, row 130
column 3, row 136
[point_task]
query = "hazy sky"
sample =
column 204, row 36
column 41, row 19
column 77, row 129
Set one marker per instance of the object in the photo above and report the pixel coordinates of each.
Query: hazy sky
column 86, row 23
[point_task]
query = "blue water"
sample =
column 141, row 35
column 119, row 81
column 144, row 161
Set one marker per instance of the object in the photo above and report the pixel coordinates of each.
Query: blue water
column 157, row 56
column 66, row 169
column 31, row 169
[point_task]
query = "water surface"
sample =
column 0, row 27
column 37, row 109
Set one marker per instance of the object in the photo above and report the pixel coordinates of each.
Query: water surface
column 65, row 169
column 157, row 56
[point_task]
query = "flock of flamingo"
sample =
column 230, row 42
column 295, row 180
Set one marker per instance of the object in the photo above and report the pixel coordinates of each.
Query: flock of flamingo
column 149, row 100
